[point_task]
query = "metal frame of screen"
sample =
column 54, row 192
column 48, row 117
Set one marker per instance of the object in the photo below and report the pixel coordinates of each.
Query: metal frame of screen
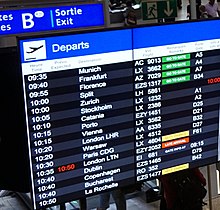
column 111, row 108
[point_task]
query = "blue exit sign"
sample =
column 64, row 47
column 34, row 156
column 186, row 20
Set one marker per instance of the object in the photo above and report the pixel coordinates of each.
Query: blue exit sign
column 51, row 18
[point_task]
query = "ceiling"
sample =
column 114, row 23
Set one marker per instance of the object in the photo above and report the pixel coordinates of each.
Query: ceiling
column 18, row 3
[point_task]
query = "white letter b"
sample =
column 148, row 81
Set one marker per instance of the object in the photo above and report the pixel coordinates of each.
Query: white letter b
column 27, row 20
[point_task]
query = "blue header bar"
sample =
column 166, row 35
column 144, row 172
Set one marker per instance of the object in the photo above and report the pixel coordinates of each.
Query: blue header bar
column 75, row 45
column 176, row 33
column 65, row 46
column 51, row 18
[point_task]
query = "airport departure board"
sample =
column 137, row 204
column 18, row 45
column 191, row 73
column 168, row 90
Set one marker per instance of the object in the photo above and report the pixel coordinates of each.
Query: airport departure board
column 107, row 109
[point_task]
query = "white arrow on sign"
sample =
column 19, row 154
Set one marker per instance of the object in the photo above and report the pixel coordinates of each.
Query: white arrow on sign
column 168, row 11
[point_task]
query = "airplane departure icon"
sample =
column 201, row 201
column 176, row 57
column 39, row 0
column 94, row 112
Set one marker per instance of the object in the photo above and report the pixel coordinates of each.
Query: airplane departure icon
column 33, row 49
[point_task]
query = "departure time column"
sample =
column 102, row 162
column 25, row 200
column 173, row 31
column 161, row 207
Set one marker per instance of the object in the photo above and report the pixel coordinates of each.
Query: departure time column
column 41, row 137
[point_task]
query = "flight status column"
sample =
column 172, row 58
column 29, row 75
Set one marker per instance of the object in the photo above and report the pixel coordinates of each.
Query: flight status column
column 79, row 107
column 176, row 106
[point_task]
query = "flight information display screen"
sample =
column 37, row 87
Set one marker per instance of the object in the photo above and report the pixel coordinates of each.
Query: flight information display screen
column 106, row 109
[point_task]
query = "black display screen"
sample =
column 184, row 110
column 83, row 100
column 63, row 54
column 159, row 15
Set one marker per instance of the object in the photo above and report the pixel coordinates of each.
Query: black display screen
column 14, row 159
column 106, row 109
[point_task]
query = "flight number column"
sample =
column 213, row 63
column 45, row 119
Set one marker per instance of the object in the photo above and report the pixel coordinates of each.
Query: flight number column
column 147, row 117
